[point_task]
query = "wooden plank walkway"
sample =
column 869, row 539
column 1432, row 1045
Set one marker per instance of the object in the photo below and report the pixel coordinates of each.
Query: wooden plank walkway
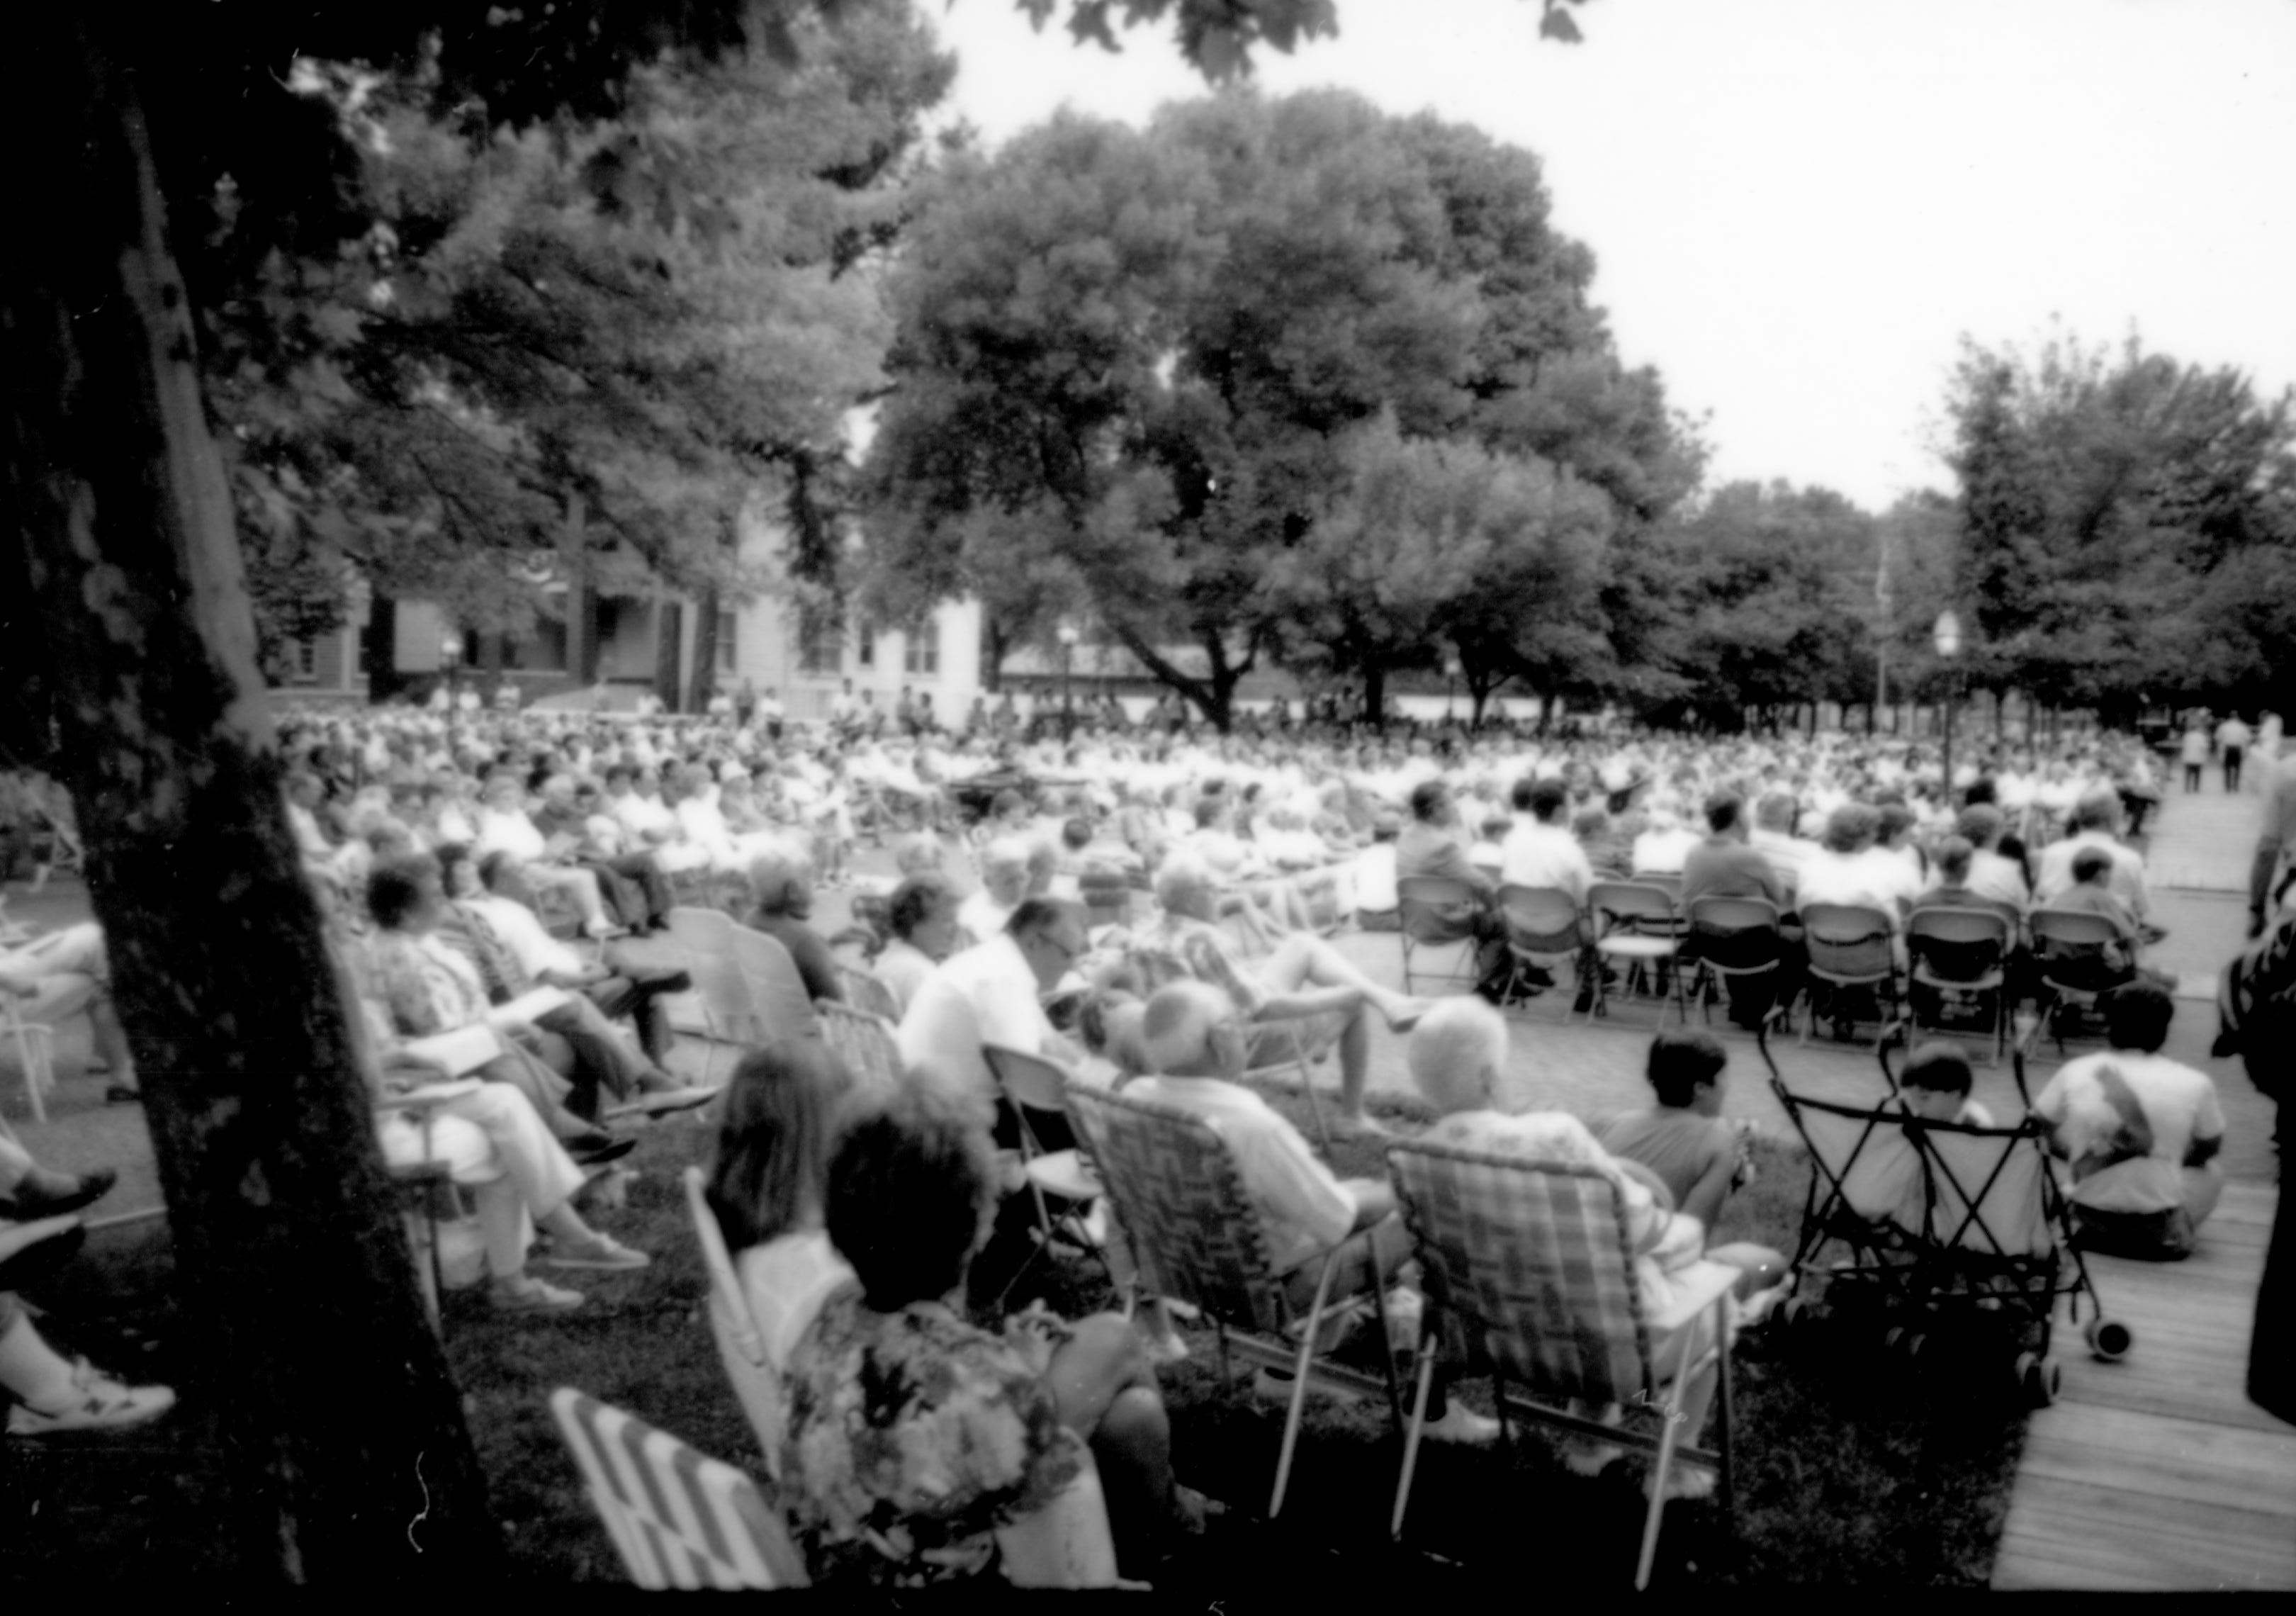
column 2157, row 1472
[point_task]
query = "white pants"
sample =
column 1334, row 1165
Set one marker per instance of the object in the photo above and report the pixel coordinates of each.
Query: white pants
column 493, row 1142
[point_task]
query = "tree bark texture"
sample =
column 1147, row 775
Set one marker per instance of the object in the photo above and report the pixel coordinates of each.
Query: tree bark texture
column 349, row 1456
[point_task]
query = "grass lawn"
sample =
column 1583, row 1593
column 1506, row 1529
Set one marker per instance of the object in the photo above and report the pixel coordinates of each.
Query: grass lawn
column 1847, row 1473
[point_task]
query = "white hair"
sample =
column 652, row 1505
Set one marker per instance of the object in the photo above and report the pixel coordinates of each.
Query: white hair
column 774, row 865
column 1175, row 1029
column 1181, row 872
column 1006, row 853
column 1456, row 1053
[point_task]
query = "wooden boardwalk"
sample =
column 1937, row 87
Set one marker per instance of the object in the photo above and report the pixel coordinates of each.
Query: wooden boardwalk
column 2157, row 1472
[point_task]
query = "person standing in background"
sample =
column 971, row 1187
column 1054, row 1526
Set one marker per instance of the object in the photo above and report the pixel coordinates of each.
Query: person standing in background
column 2233, row 736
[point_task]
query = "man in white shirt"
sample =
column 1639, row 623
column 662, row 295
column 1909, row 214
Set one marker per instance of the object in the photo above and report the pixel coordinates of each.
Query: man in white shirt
column 1991, row 876
column 504, row 826
column 1540, row 851
column 2096, row 823
column 1004, row 883
column 991, row 993
column 635, row 801
column 1774, row 839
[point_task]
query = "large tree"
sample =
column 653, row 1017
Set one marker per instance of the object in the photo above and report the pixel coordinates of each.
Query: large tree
column 1138, row 361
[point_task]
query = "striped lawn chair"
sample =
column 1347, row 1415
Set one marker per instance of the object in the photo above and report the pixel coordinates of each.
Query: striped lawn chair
column 865, row 1043
column 740, row 1336
column 680, row 1520
column 1181, row 1202
column 867, row 992
column 1529, row 1275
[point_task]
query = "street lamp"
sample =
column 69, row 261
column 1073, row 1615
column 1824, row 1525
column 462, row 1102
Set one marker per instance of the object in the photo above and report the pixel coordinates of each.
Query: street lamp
column 1068, row 638
column 1946, row 637
column 450, row 655
column 1450, row 683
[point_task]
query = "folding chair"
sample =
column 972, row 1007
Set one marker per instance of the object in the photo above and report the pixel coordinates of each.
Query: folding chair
column 1181, row 1202
column 1530, row 1275
column 1958, row 950
column 1669, row 881
column 740, row 1336
column 420, row 1185
column 729, row 1015
column 35, row 1054
column 1636, row 923
column 680, row 1520
column 1037, row 1089
column 1544, row 928
column 1437, row 913
column 867, row 1047
column 1107, row 898
column 866, row 992
column 1732, row 934
column 776, row 990
column 2069, row 962
column 1851, row 949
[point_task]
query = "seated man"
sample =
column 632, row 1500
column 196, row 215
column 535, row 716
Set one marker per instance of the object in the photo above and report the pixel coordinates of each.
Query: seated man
column 503, row 825
column 1456, row 1056
column 1303, row 979
column 62, row 975
column 1992, row 876
column 991, row 993
column 1004, row 883
column 2092, row 893
column 1194, row 1036
column 780, row 881
column 1539, row 850
column 2095, row 826
column 2142, row 1132
column 1697, row 1156
column 632, row 884
column 514, row 954
column 1726, row 865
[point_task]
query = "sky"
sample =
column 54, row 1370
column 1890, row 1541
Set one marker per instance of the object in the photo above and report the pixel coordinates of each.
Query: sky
column 1799, row 206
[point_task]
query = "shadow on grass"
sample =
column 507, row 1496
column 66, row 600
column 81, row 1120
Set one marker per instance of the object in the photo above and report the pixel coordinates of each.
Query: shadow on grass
column 1848, row 1474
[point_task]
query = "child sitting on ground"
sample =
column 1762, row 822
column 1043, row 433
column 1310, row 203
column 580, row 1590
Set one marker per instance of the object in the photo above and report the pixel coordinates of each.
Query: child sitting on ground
column 1935, row 1084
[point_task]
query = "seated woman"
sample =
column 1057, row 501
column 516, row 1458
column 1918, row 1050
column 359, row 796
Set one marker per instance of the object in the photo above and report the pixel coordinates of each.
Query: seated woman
column 914, row 1436
column 922, row 915
column 767, row 1185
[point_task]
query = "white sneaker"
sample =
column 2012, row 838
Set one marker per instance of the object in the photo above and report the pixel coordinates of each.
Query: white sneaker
column 97, row 1403
column 1685, row 1482
column 1461, row 1424
column 528, row 1294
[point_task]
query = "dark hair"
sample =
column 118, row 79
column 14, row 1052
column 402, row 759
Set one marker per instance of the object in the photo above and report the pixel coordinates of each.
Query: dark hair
column 1954, row 856
column 394, row 887
column 1003, row 803
column 1036, row 915
column 2136, row 1016
column 2090, row 862
column 1939, row 1066
column 1206, row 810
column 909, row 1186
column 914, row 902
column 1679, row 1061
column 1724, row 809
column 1426, row 796
column 1077, row 833
column 1897, row 819
column 771, row 1163
column 449, row 854
column 619, row 771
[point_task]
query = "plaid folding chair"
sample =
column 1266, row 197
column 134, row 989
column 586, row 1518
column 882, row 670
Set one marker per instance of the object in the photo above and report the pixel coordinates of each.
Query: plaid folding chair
column 680, row 1520
column 1634, row 922
column 1438, row 913
column 867, row 992
column 1545, row 928
column 1530, row 1277
column 1850, row 951
column 1952, row 951
column 1196, row 1238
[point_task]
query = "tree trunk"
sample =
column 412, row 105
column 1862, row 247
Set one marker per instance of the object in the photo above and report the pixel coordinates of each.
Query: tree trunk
column 669, row 630
column 349, row 1459
column 703, row 683
column 1376, row 695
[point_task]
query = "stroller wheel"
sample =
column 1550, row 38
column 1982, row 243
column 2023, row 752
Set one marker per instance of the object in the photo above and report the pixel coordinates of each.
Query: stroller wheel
column 2109, row 1338
column 2038, row 1380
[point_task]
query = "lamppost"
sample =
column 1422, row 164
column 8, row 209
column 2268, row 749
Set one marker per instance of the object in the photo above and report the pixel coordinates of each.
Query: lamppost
column 1450, row 683
column 1067, row 637
column 450, row 657
column 1946, row 637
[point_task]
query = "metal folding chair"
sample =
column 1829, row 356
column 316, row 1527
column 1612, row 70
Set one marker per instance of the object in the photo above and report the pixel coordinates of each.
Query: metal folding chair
column 1850, row 950
column 1952, row 950
column 1529, row 1275
column 1544, row 928
column 866, row 992
column 1036, row 1089
column 1732, row 933
column 1438, row 913
column 2069, row 962
column 1636, row 923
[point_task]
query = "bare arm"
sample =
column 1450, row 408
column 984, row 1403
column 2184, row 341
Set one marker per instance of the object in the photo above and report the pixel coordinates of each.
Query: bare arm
column 1704, row 1202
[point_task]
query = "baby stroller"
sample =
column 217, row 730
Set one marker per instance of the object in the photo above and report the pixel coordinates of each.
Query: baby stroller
column 1941, row 1241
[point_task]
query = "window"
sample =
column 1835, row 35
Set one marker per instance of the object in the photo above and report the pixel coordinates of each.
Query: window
column 923, row 657
column 865, row 652
column 820, row 642
column 303, row 663
column 728, row 632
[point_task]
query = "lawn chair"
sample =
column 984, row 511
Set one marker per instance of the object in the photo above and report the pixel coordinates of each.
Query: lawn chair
column 680, row 1520
column 1958, row 951
column 1545, row 928
column 1107, row 898
column 1738, row 941
column 2071, row 964
column 866, row 1043
column 1037, row 1089
column 35, row 1054
column 867, row 992
column 740, row 1336
column 1634, row 922
column 1181, row 1202
column 1529, row 1275
column 729, row 1015
column 1850, row 951
column 776, row 990
column 1436, row 912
